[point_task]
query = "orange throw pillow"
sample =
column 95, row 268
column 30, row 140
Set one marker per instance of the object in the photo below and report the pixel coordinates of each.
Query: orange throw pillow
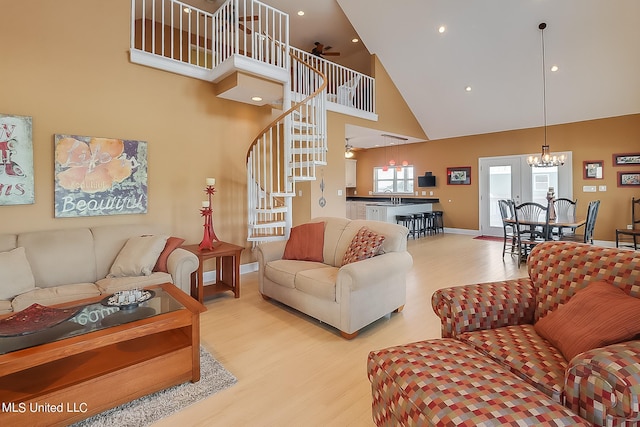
column 170, row 246
column 596, row 316
column 365, row 244
column 306, row 242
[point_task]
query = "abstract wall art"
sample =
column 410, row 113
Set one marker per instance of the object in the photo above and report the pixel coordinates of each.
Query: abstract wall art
column 99, row 176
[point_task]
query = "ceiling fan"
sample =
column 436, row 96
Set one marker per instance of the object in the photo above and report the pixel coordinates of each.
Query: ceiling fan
column 321, row 50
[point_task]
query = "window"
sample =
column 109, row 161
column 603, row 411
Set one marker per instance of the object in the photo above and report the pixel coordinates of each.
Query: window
column 393, row 180
column 542, row 179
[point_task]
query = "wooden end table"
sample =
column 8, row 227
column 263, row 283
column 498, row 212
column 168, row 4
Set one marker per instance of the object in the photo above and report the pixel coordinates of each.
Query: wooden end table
column 227, row 257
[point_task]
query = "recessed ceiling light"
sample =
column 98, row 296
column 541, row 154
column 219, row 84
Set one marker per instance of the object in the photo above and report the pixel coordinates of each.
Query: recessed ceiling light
column 355, row 40
column 256, row 99
column 468, row 88
column 301, row 13
column 554, row 68
column 442, row 29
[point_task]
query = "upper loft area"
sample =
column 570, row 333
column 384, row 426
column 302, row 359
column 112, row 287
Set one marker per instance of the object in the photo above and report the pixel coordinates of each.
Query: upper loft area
column 243, row 49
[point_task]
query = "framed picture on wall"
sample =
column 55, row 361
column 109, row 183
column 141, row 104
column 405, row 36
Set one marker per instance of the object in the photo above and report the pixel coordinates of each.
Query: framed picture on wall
column 592, row 169
column 626, row 159
column 99, row 176
column 629, row 179
column 459, row 175
column 16, row 161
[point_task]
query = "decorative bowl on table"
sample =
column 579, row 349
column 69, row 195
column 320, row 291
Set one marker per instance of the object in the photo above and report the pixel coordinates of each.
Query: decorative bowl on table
column 35, row 318
column 128, row 299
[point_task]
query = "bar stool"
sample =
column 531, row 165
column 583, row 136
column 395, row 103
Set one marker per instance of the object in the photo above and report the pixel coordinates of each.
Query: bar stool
column 419, row 224
column 429, row 223
column 407, row 221
column 438, row 221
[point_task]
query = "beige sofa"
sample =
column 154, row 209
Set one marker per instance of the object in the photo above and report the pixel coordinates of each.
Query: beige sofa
column 348, row 297
column 73, row 264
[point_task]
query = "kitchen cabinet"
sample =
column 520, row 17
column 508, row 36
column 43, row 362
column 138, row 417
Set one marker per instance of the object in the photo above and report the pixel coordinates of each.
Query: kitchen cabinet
column 350, row 173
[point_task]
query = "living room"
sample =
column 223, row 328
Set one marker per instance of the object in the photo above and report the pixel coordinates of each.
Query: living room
column 70, row 72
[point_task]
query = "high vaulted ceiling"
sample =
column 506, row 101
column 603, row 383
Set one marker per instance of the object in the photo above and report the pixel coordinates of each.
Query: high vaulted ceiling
column 493, row 46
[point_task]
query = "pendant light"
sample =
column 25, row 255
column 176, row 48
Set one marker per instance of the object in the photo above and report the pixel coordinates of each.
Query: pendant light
column 546, row 159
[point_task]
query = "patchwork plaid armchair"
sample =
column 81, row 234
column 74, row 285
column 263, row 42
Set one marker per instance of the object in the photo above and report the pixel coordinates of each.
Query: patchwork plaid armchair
column 602, row 384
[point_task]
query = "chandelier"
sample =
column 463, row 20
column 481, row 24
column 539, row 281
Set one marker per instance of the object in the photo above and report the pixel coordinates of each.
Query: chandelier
column 545, row 160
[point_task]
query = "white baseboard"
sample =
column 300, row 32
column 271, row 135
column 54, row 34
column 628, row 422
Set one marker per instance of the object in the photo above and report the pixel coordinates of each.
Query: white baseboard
column 210, row 276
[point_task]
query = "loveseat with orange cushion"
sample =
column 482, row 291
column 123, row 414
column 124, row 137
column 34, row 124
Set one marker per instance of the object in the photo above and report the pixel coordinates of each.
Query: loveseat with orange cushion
column 345, row 273
column 570, row 331
column 56, row 266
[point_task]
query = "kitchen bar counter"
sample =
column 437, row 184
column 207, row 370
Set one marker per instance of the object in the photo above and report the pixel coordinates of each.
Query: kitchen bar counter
column 387, row 199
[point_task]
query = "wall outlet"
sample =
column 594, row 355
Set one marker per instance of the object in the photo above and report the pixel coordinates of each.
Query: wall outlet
column 416, row 193
column 355, row 192
column 602, row 188
column 370, row 193
column 629, row 227
column 589, row 188
column 431, row 193
column 424, row 193
column 339, row 192
column 299, row 193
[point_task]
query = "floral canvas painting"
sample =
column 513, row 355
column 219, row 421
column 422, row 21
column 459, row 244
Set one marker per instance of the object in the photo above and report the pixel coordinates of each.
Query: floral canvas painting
column 99, row 176
column 16, row 161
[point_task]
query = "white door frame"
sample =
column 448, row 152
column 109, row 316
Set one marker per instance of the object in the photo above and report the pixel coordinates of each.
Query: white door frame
column 521, row 186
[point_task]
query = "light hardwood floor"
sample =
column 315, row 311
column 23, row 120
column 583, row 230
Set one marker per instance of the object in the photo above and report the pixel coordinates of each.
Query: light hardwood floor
column 294, row 371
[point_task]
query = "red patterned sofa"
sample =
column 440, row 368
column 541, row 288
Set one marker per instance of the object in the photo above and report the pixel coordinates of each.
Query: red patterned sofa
column 490, row 332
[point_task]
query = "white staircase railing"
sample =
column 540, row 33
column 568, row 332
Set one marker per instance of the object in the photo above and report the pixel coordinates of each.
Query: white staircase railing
column 170, row 34
column 286, row 151
column 345, row 87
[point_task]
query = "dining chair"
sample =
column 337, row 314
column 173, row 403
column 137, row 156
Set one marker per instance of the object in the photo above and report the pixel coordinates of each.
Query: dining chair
column 565, row 208
column 589, row 226
column 634, row 233
column 532, row 227
column 509, row 228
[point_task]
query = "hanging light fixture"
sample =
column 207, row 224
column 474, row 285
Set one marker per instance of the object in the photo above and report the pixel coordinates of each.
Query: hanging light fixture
column 348, row 149
column 392, row 161
column 546, row 159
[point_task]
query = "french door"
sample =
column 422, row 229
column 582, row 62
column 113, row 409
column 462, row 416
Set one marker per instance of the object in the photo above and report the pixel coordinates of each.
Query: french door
column 510, row 177
column 500, row 178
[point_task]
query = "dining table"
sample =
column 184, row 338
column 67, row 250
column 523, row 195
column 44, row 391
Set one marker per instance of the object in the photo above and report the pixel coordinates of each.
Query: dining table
column 560, row 222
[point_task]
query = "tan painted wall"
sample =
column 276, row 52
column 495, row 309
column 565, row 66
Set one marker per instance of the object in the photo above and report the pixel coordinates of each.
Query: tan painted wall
column 590, row 140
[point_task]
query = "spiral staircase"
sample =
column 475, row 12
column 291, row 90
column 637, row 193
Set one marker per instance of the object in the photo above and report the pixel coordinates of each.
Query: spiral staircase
column 247, row 40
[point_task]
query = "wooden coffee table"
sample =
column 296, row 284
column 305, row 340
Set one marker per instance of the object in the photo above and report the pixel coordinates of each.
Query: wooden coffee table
column 104, row 358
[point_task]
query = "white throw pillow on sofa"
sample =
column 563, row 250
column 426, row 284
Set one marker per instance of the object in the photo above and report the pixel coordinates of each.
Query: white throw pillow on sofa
column 138, row 256
column 16, row 276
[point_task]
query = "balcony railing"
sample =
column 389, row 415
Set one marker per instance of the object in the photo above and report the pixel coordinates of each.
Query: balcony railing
column 175, row 36
column 345, row 87
column 179, row 32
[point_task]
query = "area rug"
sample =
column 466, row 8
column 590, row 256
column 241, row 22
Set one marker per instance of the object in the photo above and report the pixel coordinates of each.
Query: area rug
column 492, row 238
column 148, row 409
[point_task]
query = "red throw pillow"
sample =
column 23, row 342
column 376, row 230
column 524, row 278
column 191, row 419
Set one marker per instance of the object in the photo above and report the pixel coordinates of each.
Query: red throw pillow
column 306, row 242
column 170, row 246
column 365, row 244
column 596, row 316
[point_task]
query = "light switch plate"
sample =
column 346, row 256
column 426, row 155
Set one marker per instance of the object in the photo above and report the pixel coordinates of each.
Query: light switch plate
column 602, row 188
column 589, row 188
column 339, row 192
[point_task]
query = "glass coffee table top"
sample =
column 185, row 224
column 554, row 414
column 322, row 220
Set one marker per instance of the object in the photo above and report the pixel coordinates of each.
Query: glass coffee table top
column 57, row 324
